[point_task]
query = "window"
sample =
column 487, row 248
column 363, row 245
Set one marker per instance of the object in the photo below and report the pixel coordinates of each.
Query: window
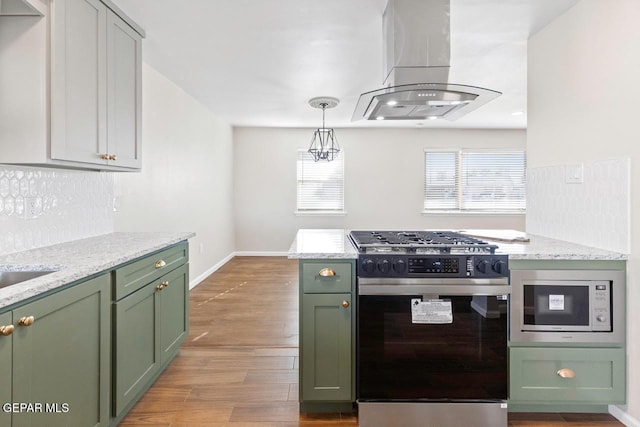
column 475, row 181
column 320, row 184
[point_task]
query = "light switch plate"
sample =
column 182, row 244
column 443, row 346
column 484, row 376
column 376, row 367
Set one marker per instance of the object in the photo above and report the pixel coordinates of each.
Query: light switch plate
column 573, row 174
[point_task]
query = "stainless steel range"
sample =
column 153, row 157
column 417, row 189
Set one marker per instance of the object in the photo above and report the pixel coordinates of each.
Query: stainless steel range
column 432, row 329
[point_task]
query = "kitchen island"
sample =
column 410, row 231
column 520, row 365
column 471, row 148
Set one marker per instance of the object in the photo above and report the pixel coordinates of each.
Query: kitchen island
column 567, row 373
column 335, row 243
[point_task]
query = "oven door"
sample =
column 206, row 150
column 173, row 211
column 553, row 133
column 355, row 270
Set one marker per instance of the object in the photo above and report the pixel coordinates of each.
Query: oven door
column 557, row 305
column 404, row 357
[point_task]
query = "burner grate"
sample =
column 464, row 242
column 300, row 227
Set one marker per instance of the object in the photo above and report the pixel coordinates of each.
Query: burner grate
column 419, row 241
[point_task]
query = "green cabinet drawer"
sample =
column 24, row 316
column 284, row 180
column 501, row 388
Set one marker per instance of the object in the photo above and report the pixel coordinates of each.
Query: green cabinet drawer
column 591, row 375
column 139, row 273
column 315, row 282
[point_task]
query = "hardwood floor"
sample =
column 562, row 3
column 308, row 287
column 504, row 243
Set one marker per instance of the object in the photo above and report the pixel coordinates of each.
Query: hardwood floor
column 239, row 365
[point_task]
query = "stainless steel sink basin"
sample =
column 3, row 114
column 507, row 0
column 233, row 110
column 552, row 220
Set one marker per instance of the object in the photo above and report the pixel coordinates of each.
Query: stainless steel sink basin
column 8, row 278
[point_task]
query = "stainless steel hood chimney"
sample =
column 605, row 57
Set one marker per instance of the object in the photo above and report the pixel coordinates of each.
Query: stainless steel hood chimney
column 416, row 65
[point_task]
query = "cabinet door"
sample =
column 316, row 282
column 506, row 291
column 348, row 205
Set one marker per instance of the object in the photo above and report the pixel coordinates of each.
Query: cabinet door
column 124, row 93
column 137, row 344
column 79, row 81
column 174, row 311
column 326, row 347
column 61, row 361
column 5, row 368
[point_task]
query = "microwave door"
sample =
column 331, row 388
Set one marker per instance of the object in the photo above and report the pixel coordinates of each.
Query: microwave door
column 556, row 308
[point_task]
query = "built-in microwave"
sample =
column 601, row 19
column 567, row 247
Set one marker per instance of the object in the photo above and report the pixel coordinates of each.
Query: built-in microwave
column 567, row 306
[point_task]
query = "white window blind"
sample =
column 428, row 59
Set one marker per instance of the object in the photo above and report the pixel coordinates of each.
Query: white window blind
column 320, row 184
column 475, row 180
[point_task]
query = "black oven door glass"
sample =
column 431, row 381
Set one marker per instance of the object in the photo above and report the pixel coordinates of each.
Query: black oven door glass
column 402, row 360
column 556, row 305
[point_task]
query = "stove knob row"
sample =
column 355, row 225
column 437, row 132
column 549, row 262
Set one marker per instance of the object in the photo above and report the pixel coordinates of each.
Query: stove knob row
column 383, row 266
column 485, row 266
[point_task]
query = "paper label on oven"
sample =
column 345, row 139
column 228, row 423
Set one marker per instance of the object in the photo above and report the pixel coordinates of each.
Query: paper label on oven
column 433, row 311
column 556, row 302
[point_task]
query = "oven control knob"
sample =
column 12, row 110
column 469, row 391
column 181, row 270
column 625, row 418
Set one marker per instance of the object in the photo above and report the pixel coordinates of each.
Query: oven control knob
column 399, row 266
column 500, row 267
column 368, row 265
column 601, row 318
column 384, row 266
column 484, row 266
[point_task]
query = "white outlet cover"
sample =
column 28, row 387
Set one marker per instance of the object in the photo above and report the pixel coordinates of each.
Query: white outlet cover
column 573, row 174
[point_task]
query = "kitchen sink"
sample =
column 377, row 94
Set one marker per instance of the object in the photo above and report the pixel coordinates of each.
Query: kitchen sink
column 8, row 278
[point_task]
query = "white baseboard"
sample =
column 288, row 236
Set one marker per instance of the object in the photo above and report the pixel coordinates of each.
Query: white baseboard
column 261, row 253
column 623, row 416
column 195, row 282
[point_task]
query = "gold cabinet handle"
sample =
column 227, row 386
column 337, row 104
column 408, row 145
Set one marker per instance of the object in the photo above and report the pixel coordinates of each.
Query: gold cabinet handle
column 160, row 286
column 113, row 157
column 165, row 283
column 104, row 156
column 7, row 330
column 160, row 264
column 26, row 321
column 566, row 373
column 327, row 272
column 345, row 304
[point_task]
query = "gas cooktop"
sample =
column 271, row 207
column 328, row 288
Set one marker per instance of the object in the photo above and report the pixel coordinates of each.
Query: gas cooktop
column 419, row 242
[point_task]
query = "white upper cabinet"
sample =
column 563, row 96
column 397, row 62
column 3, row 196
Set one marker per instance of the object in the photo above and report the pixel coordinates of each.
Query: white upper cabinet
column 124, row 92
column 79, row 81
column 85, row 110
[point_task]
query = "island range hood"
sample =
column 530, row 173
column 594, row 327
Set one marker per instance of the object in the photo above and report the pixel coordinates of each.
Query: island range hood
column 416, row 64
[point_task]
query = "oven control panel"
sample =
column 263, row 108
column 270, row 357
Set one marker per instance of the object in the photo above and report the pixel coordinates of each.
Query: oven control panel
column 437, row 266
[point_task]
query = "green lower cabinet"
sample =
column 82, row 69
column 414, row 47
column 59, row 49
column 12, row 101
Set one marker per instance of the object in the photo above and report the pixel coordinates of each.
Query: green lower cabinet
column 174, row 312
column 554, row 375
column 61, row 360
column 6, row 352
column 150, row 324
column 326, row 351
column 136, row 344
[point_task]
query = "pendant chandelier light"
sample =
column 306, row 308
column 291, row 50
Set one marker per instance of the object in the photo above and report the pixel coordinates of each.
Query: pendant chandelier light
column 324, row 144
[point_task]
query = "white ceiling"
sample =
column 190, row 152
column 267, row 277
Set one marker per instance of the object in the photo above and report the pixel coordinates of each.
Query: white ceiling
column 258, row 62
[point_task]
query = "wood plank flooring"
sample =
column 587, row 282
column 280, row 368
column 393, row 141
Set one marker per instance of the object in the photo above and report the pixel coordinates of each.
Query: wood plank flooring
column 239, row 365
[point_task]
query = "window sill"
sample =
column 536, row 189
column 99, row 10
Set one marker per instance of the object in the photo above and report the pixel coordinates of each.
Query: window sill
column 473, row 213
column 320, row 213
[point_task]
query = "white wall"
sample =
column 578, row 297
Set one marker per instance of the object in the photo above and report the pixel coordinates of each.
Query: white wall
column 583, row 87
column 384, row 182
column 186, row 178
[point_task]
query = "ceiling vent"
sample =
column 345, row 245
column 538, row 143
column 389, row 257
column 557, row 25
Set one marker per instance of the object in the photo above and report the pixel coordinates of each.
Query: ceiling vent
column 416, row 64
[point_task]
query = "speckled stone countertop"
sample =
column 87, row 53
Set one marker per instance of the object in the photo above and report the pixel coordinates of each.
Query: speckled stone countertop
column 334, row 243
column 321, row 243
column 78, row 259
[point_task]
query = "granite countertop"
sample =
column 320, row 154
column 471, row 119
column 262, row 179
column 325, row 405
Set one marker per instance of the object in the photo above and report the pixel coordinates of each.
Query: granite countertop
column 334, row 243
column 322, row 243
column 78, row 259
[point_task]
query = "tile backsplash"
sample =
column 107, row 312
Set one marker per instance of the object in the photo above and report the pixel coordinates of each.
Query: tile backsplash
column 41, row 206
column 595, row 212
